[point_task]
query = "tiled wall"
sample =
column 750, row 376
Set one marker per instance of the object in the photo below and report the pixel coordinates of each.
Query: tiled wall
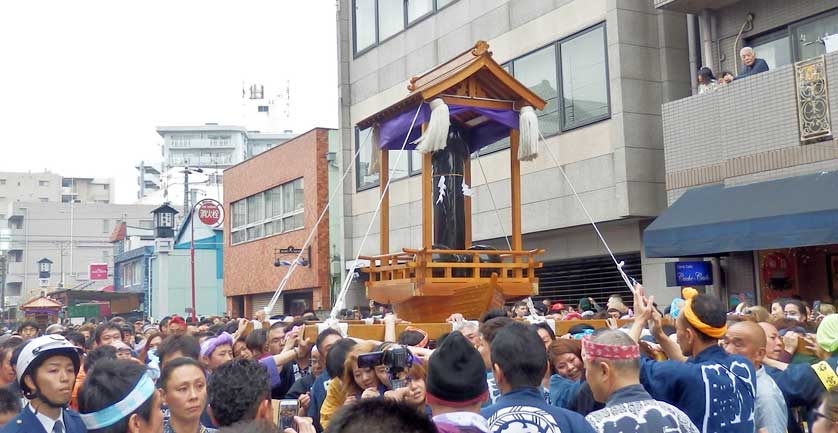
column 744, row 132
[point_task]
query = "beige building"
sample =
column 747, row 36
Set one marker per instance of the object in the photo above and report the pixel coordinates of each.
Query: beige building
column 72, row 236
column 603, row 66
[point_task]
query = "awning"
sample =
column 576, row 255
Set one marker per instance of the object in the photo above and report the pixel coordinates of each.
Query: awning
column 793, row 212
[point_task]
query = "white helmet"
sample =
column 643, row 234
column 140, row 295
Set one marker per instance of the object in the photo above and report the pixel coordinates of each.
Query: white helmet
column 42, row 347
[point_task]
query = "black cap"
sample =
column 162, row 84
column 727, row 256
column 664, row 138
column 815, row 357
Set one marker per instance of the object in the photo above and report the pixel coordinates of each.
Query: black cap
column 456, row 373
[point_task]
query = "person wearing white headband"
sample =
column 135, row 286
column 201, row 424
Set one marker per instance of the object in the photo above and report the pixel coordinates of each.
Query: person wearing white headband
column 46, row 371
column 119, row 396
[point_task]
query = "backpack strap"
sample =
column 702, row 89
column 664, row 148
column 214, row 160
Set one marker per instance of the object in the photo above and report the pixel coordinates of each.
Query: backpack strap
column 826, row 374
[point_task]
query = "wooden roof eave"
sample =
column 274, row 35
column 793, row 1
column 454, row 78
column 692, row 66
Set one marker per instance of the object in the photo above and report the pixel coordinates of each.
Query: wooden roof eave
column 435, row 87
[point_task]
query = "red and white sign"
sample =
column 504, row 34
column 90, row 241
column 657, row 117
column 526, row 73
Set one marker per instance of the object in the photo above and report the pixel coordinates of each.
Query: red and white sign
column 98, row 271
column 211, row 213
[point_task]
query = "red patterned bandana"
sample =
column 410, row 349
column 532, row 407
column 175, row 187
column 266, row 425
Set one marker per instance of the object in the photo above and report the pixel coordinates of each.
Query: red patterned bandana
column 591, row 350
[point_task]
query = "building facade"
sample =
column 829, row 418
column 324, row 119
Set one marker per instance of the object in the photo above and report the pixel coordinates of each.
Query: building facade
column 71, row 235
column 48, row 187
column 749, row 152
column 175, row 266
column 273, row 201
column 603, row 66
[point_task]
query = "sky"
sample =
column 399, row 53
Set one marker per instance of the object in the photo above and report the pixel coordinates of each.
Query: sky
column 84, row 84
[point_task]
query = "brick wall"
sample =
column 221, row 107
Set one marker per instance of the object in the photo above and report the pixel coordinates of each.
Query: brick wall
column 248, row 266
column 743, row 133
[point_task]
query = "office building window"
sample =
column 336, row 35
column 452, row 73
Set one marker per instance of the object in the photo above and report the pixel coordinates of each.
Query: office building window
column 409, row 164
column 417, row 9
column 375, row 21
column 365, row 26
column 43, row 183
column 106, row 226
column 573, row 70
column 537, row 71
column 2, row 181
column 263, row 109
column 584, row 79
column 43, row 199
column 390, row 18
column 277, row 210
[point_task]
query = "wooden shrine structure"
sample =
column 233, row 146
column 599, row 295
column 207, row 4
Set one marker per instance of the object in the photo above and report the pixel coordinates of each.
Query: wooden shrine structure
column 428, row 284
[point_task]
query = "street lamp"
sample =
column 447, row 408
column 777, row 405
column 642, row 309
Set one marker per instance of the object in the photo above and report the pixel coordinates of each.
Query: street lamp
column 164, row 221
column 44, row 269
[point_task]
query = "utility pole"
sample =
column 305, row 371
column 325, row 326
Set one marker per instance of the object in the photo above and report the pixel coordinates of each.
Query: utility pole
column 3, row 269
column 185, row 188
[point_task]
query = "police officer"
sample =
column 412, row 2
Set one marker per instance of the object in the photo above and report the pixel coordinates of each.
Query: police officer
column 46, row 371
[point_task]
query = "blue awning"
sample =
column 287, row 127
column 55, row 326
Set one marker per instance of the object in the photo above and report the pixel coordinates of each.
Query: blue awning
column 793, row 212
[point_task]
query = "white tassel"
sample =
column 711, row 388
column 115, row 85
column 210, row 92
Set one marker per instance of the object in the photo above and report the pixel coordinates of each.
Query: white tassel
column 436, row 134
column 528, row 137
column 375, row 152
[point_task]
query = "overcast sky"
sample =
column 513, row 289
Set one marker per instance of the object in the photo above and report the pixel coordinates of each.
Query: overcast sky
column 83, row 84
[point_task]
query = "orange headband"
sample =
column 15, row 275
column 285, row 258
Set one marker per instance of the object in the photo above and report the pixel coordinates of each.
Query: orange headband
column 696, row 323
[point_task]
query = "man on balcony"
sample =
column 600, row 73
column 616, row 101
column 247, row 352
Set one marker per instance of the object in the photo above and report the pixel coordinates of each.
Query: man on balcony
column 753, row 65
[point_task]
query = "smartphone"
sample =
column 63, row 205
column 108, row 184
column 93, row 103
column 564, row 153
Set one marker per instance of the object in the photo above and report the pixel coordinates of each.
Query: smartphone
column 287, row 411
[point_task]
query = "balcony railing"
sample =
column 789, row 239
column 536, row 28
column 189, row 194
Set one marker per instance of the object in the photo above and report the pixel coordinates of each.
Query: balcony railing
column 692, row 6
column 752, row 126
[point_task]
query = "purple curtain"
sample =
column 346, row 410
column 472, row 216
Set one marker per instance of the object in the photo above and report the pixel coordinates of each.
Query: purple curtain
column 393, row 131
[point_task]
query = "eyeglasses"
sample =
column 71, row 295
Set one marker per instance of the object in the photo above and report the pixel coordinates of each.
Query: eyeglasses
column 818, row 414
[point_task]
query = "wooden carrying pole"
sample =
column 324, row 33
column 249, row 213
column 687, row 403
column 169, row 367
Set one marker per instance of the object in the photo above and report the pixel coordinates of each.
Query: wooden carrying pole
column 384, row 214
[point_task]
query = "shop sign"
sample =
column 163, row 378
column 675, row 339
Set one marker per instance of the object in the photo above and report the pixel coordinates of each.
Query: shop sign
column 98, row 271
column 693, row 273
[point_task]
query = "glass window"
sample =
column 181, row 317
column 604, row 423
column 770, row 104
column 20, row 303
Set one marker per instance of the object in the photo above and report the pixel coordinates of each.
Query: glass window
column 808, row 35
column 239, row 215
column 238, row 236
column 255, row 209
column 776, row 52
column 364, row 180
column 299, row 196
column 584, row 79
column 390, row 18
column 417, row 9
column 364, row 24
column 442, row 3
column 403, row 168
column 293, row 222
column 254, row 232
column 538, row 72
column 273, row 202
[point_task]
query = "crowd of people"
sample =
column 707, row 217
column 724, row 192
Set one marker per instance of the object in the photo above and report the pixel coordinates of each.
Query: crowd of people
column 751, row 65
column 692, row 366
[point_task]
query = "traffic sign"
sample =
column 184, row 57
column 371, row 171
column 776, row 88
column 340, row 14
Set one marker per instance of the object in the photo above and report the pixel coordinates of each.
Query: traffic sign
column 211, row 212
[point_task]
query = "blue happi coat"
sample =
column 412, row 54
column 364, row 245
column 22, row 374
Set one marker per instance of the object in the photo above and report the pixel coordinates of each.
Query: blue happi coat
column 524, row 410
column 715, row 389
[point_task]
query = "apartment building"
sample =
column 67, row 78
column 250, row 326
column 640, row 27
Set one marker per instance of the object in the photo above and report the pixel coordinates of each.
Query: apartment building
column 604, row 68
column 71, row 235
column 752, row 166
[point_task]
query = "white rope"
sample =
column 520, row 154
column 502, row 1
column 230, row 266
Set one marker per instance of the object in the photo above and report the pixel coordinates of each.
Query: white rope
column 619, row 265
column 492, row 197
column 296, row 261
column 350, row 276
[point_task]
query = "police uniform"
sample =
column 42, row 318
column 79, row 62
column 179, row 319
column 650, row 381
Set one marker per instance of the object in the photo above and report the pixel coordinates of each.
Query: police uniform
column 27, row 422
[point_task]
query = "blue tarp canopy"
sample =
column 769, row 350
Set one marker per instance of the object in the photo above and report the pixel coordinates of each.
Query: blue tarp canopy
column 711, row 220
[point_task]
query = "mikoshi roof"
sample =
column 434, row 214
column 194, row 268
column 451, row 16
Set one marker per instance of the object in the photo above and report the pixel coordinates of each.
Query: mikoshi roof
column 482, row 97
